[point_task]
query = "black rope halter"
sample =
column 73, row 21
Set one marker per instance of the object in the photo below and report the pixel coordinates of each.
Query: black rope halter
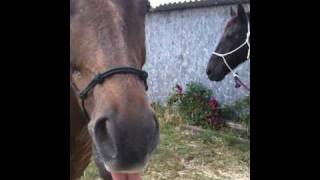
column 100, row 77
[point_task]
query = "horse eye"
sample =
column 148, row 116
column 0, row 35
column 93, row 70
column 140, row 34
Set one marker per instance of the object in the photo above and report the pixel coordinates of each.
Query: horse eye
column 74, row 68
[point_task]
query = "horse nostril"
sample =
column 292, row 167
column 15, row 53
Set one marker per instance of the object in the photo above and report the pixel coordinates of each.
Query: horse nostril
column 208, row 72
column 103, row 138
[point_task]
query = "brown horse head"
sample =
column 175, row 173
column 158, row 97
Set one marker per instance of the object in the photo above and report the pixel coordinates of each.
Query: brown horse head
column 107, row 34
column 235, row 34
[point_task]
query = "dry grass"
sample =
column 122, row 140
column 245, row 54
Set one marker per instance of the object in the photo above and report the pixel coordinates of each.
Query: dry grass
column 184, row 154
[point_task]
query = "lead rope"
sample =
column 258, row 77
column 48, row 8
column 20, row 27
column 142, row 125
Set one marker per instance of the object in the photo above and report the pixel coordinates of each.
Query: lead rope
column 235, row 75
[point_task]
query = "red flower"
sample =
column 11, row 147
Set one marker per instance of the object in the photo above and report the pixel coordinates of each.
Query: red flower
column 213, row 103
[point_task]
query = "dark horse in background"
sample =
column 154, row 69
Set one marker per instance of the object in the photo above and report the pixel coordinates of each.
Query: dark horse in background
column 235, row 34
column 115, row 122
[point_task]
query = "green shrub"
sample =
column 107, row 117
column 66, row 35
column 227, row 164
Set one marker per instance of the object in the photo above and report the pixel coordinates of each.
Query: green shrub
column 196, row 105
column 238, row 111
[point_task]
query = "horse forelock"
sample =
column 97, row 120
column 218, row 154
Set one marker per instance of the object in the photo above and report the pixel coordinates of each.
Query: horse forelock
column 233, row 20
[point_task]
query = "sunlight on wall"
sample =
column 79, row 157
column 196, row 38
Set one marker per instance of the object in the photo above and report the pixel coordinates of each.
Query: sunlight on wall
column 155, row 3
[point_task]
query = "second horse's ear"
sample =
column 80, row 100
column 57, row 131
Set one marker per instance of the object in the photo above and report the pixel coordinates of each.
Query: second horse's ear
column 148, row 6
column 232, row 12
column 242, row 13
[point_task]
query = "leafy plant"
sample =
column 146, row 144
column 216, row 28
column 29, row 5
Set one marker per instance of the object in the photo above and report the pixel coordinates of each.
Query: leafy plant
column 196, row 105
column 239, row 111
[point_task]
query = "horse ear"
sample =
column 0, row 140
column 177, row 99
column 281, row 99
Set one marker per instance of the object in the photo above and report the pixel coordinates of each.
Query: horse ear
column 232, row 12
column 242, row 13
column 148, row 6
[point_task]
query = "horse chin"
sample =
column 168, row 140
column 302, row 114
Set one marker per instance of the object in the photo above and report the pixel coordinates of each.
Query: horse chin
column 131, row 171
column 216, row 78
column 124, row 176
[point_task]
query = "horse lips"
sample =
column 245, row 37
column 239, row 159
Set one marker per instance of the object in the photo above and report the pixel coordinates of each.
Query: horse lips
column 123, row 176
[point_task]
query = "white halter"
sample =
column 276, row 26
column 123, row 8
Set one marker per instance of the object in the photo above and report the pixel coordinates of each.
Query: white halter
column 247, row 42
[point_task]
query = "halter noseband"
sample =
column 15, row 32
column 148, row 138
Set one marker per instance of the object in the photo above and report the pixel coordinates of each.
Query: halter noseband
column 235, row 75
column 99, row 79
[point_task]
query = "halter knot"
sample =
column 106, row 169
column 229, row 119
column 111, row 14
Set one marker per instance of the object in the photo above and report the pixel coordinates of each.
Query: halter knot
column 238, row 84
column 98, row 79
column 82, row 95
column 144, row 75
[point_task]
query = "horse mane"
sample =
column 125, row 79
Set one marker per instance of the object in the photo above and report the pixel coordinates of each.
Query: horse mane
column 80, row 141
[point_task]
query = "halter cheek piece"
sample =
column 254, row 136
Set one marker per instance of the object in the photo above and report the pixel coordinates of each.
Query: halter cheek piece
column 99, row 79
